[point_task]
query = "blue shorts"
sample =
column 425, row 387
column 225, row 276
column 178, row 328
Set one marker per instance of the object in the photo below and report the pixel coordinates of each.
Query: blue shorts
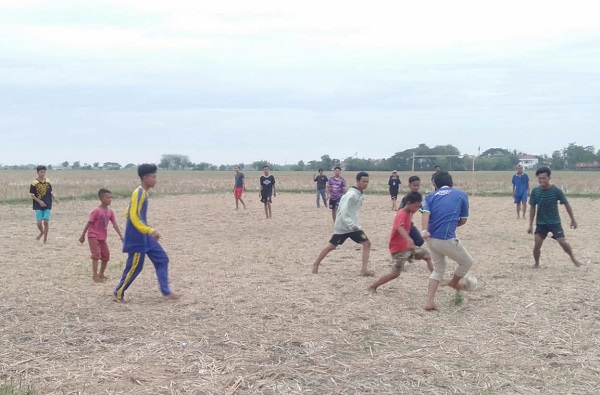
column 42, row 215
column 521, row 198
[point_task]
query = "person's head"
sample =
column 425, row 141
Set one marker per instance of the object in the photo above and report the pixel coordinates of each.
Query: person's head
column 519, row 169
column 362, row 180
column 414, row 183
column 105, row 197
column 147, row 173
column 236, row 168
column 320, row 171
column 543, row 175
column 394, row 173
column 266, row 170
column 41, row 171
column 442, row 179
column 413, row 202
column 437, row 168
column 337, row 171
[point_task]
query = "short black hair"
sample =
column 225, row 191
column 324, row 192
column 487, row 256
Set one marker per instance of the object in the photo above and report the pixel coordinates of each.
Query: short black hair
column 412, row 179
column 320, row 170
column 266, row 166
column 146, row 168
column 413, row 197
column 442, row 179
column 102, row 192
column 337, row 167
column 437, row 167
column 40, row 168
column 542, row 170
column 361, row 175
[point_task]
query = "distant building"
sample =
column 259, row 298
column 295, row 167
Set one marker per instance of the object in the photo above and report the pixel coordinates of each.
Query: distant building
column 528, row 161
column 591, row 166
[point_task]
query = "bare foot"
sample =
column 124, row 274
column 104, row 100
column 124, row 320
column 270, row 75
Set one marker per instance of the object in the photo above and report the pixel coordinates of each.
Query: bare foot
column 372, row 289
column 431, row 307
column 39, row 237
column 122, row 301
column 97, row 279
column 368, row 273
column 171, row 296
column 103, row 277
column 576, row 262
column 536, row 265
column 315, row 269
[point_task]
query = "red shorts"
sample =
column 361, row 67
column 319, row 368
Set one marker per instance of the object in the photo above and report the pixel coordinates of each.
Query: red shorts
column 238, row 192
column 99, row 249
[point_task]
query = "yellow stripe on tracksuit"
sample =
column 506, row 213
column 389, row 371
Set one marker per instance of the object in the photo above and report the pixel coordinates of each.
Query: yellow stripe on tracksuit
column 135, row 211
column 134, row 265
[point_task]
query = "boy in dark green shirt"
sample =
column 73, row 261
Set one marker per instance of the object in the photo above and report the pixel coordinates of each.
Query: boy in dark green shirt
column 543, row 200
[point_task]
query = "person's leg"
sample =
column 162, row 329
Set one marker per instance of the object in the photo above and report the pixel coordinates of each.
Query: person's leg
column 318, row 198
column 324, row 197
column 242, row 201
column 518, row 206
column 330, row 247
column 270, row 215
column 537, row 249
column 160, row 260
column 365, row 271
column 237, row 204
column 567, row 248
column 398, row 261
column 46, row 229
column 40, row 227
column 524, row 204
column 95, row 276
column 439, row 269
column 455, row 250
column 266, row 210
column 382, row 280
column 133, row 267
column 104, row 258
column 416, row 235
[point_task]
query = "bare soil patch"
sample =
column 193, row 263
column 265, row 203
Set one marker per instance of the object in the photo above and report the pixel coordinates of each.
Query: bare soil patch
column 254, row 320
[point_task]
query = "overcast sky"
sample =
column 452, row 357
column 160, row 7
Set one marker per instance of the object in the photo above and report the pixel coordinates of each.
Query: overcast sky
column 238, row 81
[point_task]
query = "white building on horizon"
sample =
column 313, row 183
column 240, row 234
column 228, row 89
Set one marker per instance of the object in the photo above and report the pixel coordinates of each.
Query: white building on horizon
column 528, row 161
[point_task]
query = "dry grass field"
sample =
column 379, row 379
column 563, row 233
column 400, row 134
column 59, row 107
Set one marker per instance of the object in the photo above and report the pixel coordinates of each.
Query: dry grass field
column 254, row 320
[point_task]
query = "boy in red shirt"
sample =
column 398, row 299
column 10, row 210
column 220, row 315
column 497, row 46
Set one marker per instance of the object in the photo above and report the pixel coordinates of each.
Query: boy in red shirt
column 96, row 229
column 402, row 247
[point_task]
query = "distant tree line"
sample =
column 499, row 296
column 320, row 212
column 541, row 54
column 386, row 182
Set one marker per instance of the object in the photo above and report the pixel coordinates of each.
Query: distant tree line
column 448, row 157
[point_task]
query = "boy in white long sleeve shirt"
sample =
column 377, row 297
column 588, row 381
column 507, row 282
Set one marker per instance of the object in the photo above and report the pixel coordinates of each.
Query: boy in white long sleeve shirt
column 347, row 225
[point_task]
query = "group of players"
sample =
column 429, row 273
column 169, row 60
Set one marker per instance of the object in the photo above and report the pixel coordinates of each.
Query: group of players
column 443, row 211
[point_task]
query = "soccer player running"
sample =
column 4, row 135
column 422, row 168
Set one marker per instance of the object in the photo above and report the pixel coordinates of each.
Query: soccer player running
column 394, row 184
column 544, row 202
column 520, row 190
column 346, row 225
column 443, row 211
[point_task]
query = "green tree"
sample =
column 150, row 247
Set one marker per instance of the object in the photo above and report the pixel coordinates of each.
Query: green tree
column 175, row 162
column 111, row 166
column 574, row 154
column 65, row 164
column 300, row 166
column 96, row 165
column 76, row 165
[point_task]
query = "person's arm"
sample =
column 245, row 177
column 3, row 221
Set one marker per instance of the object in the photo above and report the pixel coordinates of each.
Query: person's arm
column 344, row 214
column 274, row 191
column 327, row 187
column 54, row 198
column 116, row 226
column 410, row 242
column 244, row 183
column 532, row 211
column 527, row 185
column 514, row 186
column 462, row 221
column 261, row 188
column 136, row 202
column 425, row 224
column 85, row 229
column 32, row 193
column 570, row 212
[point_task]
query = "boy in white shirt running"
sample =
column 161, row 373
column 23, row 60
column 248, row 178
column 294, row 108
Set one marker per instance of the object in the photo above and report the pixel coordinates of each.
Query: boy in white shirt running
column 347, row 226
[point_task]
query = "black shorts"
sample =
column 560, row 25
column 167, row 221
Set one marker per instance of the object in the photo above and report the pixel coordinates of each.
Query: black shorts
column 556, row 230
column 358, row 237
column 394, row 194
column 266, row 199
column 333, row 203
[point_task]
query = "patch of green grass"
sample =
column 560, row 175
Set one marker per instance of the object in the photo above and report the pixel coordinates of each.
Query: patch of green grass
column 12, row 388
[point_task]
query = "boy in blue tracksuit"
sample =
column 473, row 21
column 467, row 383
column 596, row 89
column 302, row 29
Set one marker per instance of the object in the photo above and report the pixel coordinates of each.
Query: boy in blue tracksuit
column 141, row 240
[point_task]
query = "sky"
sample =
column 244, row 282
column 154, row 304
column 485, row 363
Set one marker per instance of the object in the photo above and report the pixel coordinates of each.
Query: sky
column 238, row 81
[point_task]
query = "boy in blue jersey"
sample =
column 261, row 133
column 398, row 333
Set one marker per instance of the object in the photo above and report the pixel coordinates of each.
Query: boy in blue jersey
column 520, row 190
column 443, row 211
column 543, row 200
column 141, row 240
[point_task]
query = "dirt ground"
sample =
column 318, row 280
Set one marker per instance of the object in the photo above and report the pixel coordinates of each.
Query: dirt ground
column 254, row 320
